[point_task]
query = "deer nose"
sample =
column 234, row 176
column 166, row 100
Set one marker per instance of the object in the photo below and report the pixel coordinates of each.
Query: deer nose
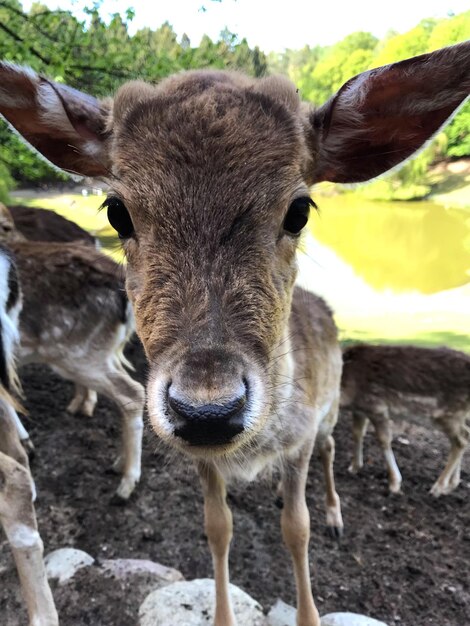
column 214, row 423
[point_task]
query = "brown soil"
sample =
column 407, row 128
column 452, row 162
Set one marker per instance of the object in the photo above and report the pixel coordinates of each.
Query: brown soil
column 404, row 559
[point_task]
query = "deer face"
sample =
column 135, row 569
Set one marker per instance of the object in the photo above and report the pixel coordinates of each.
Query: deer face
column 210, row 216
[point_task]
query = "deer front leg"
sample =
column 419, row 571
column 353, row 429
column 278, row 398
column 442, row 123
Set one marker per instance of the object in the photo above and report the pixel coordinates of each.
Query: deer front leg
column 383, row 431
column 295, row 524
column 459, row 437
column 334, row 519
column 18, row 519
column 359, row 430
column 218, row 527
column 83, row 401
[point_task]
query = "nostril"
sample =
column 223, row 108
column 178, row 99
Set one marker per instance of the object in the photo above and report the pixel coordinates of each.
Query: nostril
column 211, row 411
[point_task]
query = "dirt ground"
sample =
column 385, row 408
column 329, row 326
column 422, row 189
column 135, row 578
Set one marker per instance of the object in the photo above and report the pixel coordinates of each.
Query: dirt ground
column 403, row 559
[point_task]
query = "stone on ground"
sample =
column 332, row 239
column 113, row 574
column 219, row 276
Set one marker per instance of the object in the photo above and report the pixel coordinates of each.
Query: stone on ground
column 65, row 562
column 191, row 603
column 349, row 619
column 129, row 568
column 282, row 614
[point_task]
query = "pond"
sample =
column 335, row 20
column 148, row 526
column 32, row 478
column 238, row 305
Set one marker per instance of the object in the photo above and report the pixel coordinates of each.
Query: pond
column 391, row 271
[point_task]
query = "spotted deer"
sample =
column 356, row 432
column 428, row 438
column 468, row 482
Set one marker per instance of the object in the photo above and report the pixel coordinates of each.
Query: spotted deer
column 427, row 385
column 209, row 176
column 17, row 492
column 20, row 223
column 76, row 318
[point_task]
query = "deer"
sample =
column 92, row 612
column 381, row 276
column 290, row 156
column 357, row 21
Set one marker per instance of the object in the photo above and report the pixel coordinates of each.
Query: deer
column 17, row 491
column 37, row 224
column 209, row 176
column 381, row 382
column 20, row 223
column 76, row 318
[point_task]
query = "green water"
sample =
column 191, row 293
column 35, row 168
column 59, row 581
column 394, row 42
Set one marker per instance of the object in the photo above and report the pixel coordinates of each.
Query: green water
column 392, row 271
column 402, row 246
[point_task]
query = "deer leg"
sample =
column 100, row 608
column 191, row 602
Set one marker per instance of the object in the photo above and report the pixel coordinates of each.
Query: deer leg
column 218, row 528
column 83, row 401
column 129, row 396
column 117, row 385
column 295, row 524
column 18, row 519
column 359, row 428
column 334, row 520
column 459, row 437
column 22, row 432
column 384, row 435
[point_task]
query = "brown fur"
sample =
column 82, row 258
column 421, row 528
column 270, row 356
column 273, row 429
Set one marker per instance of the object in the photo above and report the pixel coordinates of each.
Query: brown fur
column 36, row 224
column 385, row 382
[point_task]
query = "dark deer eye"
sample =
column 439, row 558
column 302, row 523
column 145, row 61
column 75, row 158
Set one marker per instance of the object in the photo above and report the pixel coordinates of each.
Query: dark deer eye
column 118, row 217
column 297, row 215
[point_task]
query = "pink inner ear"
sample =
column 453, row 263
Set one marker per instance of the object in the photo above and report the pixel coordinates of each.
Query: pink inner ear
column 381, row 117
column 83, row 111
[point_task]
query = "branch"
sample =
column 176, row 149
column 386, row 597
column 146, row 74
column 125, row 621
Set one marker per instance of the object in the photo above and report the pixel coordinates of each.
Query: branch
column 19, row 39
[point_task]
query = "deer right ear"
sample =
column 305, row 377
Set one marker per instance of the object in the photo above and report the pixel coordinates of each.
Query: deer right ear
column 66, row 126
column 381, row 117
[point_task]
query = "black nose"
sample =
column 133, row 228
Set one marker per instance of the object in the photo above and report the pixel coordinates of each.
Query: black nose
column 207, row 424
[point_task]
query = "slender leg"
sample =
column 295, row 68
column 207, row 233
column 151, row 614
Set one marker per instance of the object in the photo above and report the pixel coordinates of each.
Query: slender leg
column 295, row 524
column 360, row 423
column 218, row 527
column 22, row 432
column 84, row 401
column 128, row 394
column 18, row 519
column 334, row 519
column 384, row 435
column 130, row 397
column 459, row 437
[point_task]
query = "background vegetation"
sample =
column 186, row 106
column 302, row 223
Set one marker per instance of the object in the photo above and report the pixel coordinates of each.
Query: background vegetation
column 97, row 57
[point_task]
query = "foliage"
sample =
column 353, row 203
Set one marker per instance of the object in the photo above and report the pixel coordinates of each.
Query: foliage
column 97, row 56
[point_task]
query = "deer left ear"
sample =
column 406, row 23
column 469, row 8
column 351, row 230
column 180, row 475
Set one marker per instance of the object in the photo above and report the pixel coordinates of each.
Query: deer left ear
column 381, row 117
column 66, row 126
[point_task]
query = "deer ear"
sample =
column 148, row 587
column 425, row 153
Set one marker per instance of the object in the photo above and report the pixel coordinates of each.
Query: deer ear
column 66, row 126
column 381, row 117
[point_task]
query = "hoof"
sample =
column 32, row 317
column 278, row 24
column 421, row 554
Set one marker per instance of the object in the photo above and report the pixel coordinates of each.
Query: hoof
column 335, row 532
column 354, row 469
column 28, row 445
column 441, row 490
column 126, row 488
column 279, row 502
column 117, row 500
column 395, row 489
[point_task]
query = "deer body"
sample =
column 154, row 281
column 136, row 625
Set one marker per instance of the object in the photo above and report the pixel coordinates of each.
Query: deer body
column 382, row 383
column 76, row 318
column 36, row 224
column 209, row 176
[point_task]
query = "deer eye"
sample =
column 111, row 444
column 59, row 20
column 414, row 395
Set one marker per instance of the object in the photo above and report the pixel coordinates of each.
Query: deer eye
column 297, row 215
column 118, row 217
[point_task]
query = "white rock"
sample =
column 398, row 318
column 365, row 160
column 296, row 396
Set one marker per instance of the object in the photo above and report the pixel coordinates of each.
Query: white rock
column 349, row 619
column 126, row 568
column 65, row 562
column 191, row 603
column 281, row 614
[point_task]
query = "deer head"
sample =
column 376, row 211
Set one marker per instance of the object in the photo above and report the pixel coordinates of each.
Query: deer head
column 209, row 176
